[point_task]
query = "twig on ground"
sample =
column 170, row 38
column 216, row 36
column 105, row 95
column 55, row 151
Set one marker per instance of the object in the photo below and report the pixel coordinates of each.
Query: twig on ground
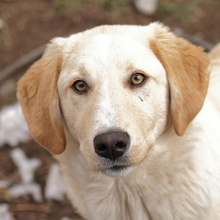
column 20, row 63
column 195, row 40
column 30, row 207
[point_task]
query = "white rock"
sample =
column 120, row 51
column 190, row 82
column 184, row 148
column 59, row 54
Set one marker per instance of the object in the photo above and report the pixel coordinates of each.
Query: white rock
column 66, row 218
column 4, row 183
column 147, row 7
column 26, row 167
column 55, row 188
column 26, row 188
column 4, row 212
column 13, row 127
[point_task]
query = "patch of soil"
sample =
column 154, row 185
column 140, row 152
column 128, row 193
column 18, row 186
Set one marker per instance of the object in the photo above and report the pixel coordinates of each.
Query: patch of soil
column 29, row 24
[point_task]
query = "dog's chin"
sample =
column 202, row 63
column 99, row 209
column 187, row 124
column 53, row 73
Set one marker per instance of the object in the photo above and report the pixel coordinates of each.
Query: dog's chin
column 118, row 171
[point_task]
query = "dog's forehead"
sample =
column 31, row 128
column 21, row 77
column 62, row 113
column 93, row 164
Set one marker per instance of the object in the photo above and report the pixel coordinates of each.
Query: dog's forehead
column 102, row 44
column 113, row 44
column 105, row 48
column 103, row 52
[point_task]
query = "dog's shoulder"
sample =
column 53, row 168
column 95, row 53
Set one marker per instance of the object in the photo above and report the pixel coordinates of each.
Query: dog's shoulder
column 214, row 88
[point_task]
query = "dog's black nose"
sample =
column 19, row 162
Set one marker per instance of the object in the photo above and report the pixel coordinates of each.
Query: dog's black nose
column 111, row 145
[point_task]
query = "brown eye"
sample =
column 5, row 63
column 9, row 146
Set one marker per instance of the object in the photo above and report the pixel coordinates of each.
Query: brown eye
column 80, row 87
column 138, row 79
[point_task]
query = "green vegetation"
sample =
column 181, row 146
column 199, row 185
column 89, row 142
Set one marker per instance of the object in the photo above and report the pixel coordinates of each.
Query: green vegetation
column 181, row 9
column 68, row 6
column 72, row 6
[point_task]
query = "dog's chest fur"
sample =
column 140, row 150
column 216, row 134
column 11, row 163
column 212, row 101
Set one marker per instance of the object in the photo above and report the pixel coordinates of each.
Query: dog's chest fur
column 130, row 102
column 164, row 186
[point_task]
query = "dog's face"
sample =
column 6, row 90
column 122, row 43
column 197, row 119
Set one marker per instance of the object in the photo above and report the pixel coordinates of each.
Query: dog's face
column 107, row 87
column 113, row 89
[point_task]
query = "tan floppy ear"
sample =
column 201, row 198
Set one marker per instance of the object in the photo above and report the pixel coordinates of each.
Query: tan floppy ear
column 37, row 93
column 186, row 66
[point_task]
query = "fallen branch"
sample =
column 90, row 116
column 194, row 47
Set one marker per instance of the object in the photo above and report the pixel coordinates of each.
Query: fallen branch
column 30, row 207
column 20, row 63
column 195, row 40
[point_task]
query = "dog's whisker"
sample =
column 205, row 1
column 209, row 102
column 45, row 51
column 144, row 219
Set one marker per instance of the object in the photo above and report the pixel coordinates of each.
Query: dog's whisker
column 73, row 157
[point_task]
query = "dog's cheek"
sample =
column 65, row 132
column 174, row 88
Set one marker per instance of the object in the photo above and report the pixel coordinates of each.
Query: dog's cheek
column 146, row 126
column 84, row 130
column 90, row 157
column 80, row 133
column 141, row 141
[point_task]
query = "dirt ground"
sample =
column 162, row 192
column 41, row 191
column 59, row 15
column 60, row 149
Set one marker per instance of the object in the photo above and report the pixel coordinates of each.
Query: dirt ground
column 29, row 24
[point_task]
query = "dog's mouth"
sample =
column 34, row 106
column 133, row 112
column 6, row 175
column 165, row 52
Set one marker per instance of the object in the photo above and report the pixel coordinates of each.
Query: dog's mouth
column 117, row 170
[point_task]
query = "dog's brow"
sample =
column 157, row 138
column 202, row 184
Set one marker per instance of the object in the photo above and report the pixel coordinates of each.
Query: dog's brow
column 102, row 42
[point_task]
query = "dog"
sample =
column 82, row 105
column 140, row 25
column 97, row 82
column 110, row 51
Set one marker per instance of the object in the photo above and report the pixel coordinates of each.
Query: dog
column 132, row 114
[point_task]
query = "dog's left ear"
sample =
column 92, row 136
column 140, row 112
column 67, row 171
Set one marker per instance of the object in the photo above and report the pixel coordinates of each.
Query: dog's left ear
column 186, row 66
column 37, row 93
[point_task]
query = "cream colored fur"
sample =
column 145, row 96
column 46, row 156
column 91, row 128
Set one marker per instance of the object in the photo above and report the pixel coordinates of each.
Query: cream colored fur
column 173, row 120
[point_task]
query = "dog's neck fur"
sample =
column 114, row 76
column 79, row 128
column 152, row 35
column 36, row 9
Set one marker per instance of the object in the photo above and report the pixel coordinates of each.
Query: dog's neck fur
column 169, row 182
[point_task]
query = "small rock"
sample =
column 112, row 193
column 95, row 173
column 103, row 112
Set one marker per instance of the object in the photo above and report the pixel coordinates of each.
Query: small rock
column 55, row 188
column 26, row 167
column 66, row 218
column 4, row 212
column 147, row 7
column 13, row 126
column 4, row 184
column 26, row 188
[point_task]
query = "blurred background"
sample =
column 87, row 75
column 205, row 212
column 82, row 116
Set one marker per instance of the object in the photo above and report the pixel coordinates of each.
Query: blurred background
column 25, row 27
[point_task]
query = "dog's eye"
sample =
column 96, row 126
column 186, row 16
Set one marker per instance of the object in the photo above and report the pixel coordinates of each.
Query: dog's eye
column 137, row 79
column 80, row 87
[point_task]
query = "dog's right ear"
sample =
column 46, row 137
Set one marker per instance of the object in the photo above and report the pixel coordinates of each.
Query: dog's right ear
column 37, row 93
column 187, row 69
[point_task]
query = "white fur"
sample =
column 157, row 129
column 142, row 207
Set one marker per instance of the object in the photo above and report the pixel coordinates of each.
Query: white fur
column 169, row 177
column 179, row 179
column 102, row 42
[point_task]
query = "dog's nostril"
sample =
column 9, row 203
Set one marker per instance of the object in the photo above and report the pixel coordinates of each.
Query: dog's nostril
column 120, row 145
column 111, row 145
column 101, row 147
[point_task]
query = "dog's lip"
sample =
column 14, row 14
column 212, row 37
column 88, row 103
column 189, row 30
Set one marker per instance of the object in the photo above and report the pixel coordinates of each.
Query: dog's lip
column 115, row 165
column 117, row 170
column 118, row 167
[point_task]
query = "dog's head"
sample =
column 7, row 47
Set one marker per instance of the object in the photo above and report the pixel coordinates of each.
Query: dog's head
column 113, row 89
